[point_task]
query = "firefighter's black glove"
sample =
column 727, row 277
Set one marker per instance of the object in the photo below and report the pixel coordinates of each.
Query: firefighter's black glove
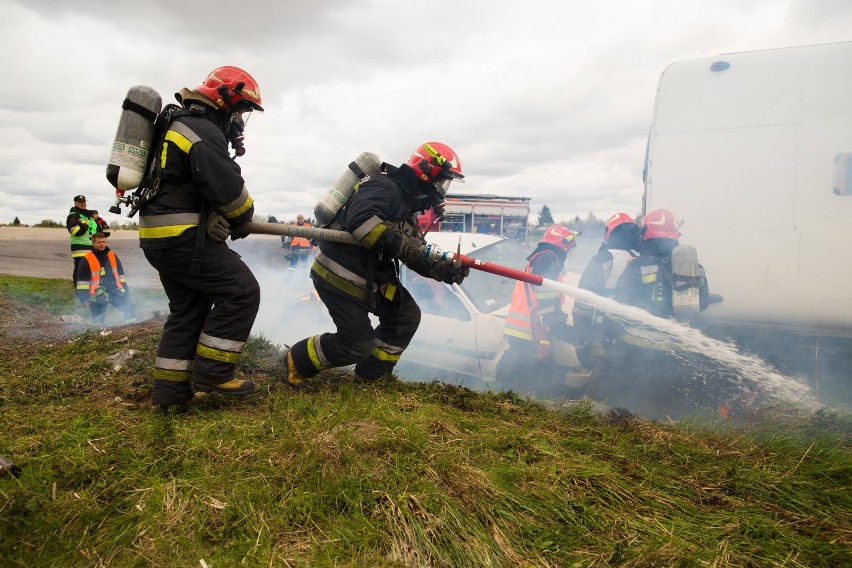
column 448, row 273
column 218, row 228
column 237, row 234
column 412, row 250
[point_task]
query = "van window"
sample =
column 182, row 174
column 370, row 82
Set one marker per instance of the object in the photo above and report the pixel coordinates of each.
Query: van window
column 843, row 174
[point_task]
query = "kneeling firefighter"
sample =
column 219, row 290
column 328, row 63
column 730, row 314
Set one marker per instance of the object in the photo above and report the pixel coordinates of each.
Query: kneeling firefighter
column 213, row 296
column 354, row 281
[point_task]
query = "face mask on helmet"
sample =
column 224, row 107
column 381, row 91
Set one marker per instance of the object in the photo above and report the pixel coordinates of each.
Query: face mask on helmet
column 442, row 186
column 235, row 129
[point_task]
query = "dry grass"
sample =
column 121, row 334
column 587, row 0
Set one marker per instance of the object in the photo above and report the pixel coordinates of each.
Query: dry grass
column 393, row 474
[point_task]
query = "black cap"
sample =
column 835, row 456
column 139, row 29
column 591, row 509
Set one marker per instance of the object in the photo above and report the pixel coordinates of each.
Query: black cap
column 79, row 198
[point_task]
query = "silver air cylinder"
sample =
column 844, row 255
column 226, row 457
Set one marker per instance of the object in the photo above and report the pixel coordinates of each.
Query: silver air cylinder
column 338, row 194
column 133, row 138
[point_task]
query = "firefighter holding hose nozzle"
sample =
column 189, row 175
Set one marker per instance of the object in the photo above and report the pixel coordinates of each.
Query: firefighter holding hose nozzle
column 355, row 281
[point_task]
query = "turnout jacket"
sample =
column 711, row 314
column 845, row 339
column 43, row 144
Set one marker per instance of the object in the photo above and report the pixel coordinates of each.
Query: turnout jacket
column 600, row 276
column 647, row 283
column 195, row 167
column 81, row 226
column 380, row 214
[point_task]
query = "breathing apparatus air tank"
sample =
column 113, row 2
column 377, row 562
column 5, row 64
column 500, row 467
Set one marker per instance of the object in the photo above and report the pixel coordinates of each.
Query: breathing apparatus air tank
column 134, row 137
column 338, row 194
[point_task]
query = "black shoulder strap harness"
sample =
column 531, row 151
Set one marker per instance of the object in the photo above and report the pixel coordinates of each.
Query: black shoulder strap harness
column 151, row 186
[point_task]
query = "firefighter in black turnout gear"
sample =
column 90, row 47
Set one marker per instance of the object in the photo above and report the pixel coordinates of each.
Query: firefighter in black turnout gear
column 643, row 369
column 213, row 296
column 354, row 281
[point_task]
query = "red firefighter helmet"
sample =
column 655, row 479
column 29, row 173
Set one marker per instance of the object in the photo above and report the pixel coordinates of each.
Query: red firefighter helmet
column 615, row 221
column 437, row 164
column 231, row 89
column 660, row 224
column 560, row 236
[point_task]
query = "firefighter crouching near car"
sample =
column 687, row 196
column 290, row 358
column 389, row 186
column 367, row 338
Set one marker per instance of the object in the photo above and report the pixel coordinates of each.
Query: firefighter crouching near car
column 536, row 327
column 641, row 364
column 620, row 246
column 354, row 281
column 81, row 226
column 100, row 281
column 213, row 296
column 647, row 279
column 300, row 247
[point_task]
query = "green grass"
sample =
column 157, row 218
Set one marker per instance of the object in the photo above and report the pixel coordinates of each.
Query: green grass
column 57, row 296
column 394, row 474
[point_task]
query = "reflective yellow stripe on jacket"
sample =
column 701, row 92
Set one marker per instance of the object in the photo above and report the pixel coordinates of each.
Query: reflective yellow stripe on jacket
column 169, row 225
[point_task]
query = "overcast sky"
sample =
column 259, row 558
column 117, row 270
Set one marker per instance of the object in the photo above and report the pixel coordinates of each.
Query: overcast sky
column 547, row 99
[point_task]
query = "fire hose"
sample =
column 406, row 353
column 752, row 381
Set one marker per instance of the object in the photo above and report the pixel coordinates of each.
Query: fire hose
column 433, row 253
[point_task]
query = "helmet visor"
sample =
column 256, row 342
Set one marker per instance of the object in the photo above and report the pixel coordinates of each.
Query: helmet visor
column 442, row 186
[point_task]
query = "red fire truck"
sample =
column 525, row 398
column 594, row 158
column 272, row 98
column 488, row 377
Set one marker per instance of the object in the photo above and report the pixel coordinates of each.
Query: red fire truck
column 491, row 214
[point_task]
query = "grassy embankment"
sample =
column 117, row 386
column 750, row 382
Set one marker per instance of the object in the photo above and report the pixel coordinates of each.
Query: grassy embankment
column 390, row 474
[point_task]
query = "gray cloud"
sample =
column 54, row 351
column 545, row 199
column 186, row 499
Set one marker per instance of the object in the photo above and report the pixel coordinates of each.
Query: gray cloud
column 551, row 101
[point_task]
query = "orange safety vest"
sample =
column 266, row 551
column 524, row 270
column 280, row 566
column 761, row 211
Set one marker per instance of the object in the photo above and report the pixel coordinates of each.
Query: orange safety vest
column 301, row 241
column 525, row 317
column 96, row 269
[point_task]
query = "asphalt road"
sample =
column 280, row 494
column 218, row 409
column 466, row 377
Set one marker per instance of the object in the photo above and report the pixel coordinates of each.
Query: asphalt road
column 46, row 253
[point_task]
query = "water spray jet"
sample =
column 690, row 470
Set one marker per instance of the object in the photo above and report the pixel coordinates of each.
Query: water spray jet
column 676, row 335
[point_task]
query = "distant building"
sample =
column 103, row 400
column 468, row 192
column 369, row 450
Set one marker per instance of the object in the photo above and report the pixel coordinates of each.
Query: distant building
column 491, row 214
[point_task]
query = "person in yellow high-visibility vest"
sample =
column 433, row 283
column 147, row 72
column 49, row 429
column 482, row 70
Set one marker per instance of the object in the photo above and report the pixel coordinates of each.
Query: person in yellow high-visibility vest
column 81, row 226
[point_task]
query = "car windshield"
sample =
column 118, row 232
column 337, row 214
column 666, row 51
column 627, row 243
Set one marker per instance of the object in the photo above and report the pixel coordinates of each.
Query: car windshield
column 490, row 292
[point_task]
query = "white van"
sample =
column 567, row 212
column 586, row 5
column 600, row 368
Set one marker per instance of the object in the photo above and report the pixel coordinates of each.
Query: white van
column 753, row 151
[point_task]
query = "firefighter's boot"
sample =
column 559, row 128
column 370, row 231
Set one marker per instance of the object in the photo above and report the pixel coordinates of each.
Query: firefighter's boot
column 171, row 396
column 234, row 387
column 293, row 377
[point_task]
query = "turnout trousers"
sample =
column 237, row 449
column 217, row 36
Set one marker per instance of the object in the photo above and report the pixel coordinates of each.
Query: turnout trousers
column 374, row 352
column 210, row 318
